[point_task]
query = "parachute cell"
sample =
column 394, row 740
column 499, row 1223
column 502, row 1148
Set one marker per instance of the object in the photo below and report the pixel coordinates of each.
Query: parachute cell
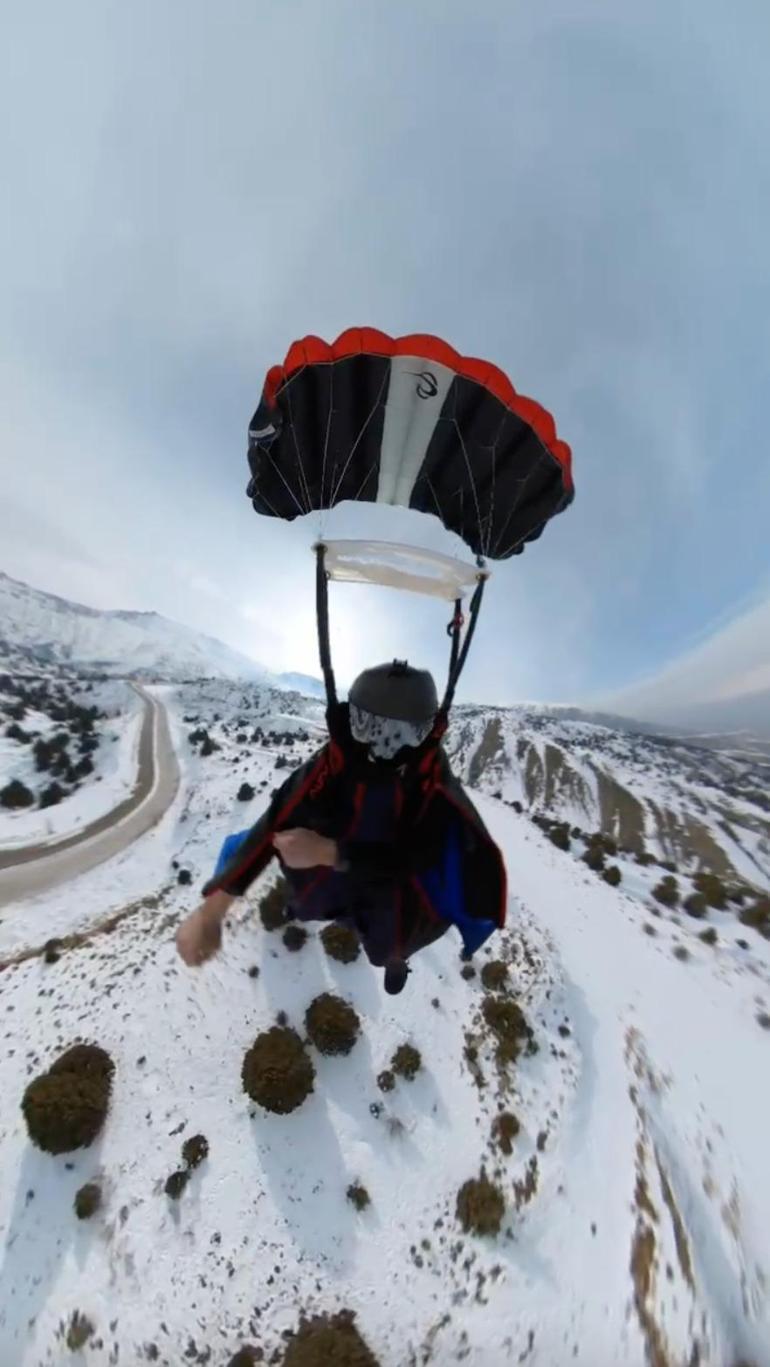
column 407, row 421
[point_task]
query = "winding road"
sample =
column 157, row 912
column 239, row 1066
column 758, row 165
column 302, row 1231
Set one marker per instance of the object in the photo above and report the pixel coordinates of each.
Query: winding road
column 37, row 868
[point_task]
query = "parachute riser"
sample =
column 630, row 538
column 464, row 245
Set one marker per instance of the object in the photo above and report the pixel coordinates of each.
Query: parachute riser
column 459, row 649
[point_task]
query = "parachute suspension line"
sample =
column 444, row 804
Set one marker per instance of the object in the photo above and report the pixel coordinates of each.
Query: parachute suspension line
column 377, row 403
column 305, row 489
column 459, row 652
column 454, row 630
column 322, row 619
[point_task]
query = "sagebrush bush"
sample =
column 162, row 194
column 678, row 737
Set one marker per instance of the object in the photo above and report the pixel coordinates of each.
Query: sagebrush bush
column 341, row 943
column 66, row 1107
column 712, row 888
column 494, row 975
column 272, row 906
column 277, row 1070
column 667, row 892
column 332, row 1024
column 695, row 905
column 329, row 1341
column 406, row 1062
column 757, row 916
column 480, row 1206
column 16, row 795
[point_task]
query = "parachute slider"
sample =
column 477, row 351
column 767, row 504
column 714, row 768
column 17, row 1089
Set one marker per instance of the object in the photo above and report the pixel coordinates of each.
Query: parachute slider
column 401, row 567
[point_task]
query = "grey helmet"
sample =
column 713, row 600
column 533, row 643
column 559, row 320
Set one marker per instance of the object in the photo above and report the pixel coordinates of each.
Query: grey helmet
column 392, row 706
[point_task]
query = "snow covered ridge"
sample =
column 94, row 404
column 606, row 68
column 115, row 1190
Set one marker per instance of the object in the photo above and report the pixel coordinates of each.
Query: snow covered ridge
column 679, row 801
column 39, row 627
column 67, row 754
column 573, row 1170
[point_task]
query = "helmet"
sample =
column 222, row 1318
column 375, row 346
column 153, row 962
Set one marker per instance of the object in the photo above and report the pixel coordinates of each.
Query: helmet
column 392, row 706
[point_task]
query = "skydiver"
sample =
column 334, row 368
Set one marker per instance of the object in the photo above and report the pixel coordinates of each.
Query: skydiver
column 374, row 832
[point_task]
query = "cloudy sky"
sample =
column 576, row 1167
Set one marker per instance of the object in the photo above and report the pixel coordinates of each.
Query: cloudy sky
column 579, row 192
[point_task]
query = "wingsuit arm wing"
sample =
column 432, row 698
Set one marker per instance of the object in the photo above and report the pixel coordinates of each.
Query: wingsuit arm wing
column 254, row 852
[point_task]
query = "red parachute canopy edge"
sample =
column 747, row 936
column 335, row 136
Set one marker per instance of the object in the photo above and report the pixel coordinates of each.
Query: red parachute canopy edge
column 407, row 421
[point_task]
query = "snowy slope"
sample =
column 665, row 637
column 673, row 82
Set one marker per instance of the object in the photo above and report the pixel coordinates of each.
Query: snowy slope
column 113, row 776
column 680, row 799
column 637, row 1206
column 138, row 643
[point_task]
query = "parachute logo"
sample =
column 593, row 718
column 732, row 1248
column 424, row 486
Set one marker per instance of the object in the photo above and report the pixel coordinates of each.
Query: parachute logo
column 428, row 386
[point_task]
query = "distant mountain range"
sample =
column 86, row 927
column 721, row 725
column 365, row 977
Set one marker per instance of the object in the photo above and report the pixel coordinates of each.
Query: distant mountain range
column 39, row 629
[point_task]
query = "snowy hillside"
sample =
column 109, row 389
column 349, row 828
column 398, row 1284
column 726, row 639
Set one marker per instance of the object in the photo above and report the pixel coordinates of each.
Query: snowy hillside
column 39, row 629
column 683, row 801
column 67, row 754
column 620, row 1119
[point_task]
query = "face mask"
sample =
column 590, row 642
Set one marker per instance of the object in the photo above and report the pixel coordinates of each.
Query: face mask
column 385, row 736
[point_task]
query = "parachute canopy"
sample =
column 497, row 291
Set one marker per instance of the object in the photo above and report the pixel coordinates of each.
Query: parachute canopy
column 407, row 421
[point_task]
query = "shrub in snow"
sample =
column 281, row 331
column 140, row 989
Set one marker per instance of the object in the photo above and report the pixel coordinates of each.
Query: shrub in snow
column 645, row 859
column 332, row 1024
column 294, row 937
column 88, row 1200
column 406, row 1062
column 386, row 1080
column 712, row 888
column 681, row 952
column 757, row 916
column 16, row 795
column 52, row 951
column 341, row 943
column 43, row 752
column 52, row 795
column 708, row 936
column 277, row 1071
column 494, row 975
column 281, row 762
column 612, row 875
column 194, row 1150
column 558, row 834
column 184, row 877
column 247, row 1356
column 505, row 1128
column 66, row 1107
column 329, row 1341
column 176, row 1183
column 358, row 1196
column 508, row 1024
column 695, row 904
column 208, row 746
column 467, row 971
column 480, row 1206
column 79, row 1331
column 667, row 892
column 14, row 732
column 245, row 792
column 272, row 906
column 594, row 858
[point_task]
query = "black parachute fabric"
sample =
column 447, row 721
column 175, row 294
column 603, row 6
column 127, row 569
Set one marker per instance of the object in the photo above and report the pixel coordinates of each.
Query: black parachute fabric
column 407, row 421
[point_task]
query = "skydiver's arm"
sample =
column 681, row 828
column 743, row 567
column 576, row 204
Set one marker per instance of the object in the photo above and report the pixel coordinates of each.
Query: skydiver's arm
column 256, row 850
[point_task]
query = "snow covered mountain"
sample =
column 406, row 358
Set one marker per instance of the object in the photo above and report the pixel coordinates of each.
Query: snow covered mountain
column 39, row 629
column 681, row 799
column 574, row 1170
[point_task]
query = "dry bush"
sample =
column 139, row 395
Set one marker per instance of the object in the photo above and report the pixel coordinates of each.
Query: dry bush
column 329, row 1341
column 341, row 943
column 406, row 1062
column 332, row 1024
column 480, row 1206
column 277, row 1071
column 66, row 1107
